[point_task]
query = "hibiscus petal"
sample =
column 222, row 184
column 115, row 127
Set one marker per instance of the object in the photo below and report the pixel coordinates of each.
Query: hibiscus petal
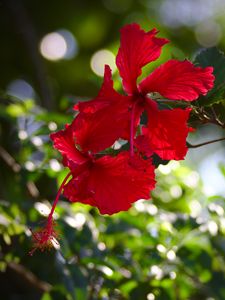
column 64, row 142
column 103, row 120
column 117, row 182
column 165, row 134
column 76, row 189
column 97, row 131
column 179, row 80
column 112, row 184
column 137, row 49
column 106, row 96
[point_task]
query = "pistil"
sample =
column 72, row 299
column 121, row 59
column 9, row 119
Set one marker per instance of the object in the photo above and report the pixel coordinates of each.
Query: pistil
column 44, row 237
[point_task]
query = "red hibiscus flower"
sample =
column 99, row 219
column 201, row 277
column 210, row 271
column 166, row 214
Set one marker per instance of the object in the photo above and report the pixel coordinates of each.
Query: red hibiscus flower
column 110, row 183
column 166, row 130
column 113, row 183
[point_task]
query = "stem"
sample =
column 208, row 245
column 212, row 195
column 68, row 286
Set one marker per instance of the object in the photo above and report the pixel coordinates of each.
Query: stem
column 132, row 130
column 205, row 143
column 58, row 195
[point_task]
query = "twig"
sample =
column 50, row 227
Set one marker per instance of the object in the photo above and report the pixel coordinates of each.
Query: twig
column 10, row 161
column 29, row 278
column 205, row 143
column 206, row 117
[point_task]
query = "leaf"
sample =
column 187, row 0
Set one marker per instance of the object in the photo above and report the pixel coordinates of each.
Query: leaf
column 222, row 168
column 215, row 58
column 46, row 296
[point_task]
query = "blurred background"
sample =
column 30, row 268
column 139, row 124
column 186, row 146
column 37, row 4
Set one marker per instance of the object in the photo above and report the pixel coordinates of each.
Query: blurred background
column 52, row 55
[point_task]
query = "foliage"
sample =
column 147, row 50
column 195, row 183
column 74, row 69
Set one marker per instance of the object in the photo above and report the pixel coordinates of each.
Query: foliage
column 215, row 58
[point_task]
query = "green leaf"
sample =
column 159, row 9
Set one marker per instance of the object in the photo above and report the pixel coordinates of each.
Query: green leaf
column 15, row 110
column 222, row 168
column 46, row 296
column 215, row 58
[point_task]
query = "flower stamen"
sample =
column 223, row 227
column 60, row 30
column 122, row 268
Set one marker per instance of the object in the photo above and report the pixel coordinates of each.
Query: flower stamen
column 46, row 237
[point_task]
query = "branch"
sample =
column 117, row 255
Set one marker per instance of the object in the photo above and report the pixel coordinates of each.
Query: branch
column 10, row 161
column 28, row 278
column 205, row 117
column 205, row 143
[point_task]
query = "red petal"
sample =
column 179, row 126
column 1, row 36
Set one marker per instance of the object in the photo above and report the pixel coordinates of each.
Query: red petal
column 166, row 133
column 103, row 120
column 76, row 190
column 117, row 182
column 142, row 143
column 98, row 131
column 106, row 96
column 64, row 142
column 179, row 80
column 114, row 183
column 137, row 49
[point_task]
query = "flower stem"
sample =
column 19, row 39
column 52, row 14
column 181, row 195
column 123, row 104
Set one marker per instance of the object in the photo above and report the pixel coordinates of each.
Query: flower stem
column 132, row 130
column 205, row 143
column 58, row 195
